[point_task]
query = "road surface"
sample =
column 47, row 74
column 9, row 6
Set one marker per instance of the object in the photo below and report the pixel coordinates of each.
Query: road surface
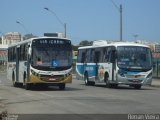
column 79, row 99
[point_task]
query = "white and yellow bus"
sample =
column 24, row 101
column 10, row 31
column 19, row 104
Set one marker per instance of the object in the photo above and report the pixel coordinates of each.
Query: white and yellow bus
column 115, row 63
column 42, row 60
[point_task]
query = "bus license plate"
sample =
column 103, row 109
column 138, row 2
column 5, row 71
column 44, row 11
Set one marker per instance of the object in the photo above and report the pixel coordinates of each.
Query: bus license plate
column 52, row 79
column 134, row 80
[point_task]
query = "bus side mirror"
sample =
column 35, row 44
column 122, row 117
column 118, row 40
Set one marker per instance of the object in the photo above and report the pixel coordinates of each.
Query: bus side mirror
column 29, row 58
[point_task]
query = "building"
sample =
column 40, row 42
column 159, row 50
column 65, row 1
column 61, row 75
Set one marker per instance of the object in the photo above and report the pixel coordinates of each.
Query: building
column 3, row 54
column 7, row 39
column 157, row 48
column 11, row 37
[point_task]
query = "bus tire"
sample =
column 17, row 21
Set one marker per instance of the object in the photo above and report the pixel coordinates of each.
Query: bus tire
column 86, row 78
column 62, row 86
column 13, row 80
column 137, row 86
column 92, row 83
column 106, row 76
column 26, row 86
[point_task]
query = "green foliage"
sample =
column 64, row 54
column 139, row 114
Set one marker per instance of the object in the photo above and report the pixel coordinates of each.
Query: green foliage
column 85, row 43
column 75, row 47
column 0, row 40
column 28, row 36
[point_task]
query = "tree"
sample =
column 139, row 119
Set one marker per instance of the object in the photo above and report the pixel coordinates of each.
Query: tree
column 85, row 43
column 28, row 36
column 75, row 47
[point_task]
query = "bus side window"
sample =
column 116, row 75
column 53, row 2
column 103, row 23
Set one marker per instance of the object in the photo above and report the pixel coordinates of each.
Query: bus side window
column 92, row 55
column 97, row 56
column 106, row 58
column 106, row 55
column 83, row 58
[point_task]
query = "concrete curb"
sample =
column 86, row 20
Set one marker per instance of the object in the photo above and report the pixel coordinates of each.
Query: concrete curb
column 155, row 82
column 2, row 108
column 158, row 86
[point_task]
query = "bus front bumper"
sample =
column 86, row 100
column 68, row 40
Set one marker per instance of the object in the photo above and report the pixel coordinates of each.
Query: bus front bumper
column 133, row 81
column 47, row 80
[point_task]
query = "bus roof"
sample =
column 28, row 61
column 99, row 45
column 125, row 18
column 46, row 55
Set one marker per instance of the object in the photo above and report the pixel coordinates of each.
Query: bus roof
column 116, row 44
column 29, row 40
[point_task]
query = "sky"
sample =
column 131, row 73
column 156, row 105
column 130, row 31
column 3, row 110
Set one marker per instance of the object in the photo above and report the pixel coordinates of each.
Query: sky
column 85, row 19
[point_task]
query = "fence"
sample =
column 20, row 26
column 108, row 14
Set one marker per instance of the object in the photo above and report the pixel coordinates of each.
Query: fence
column 3, row 68
column 156, row 68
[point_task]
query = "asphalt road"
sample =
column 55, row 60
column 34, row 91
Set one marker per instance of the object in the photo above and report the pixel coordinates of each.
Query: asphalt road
column 79, row 99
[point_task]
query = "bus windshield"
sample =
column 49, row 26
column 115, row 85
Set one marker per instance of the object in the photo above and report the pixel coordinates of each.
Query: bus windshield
column 134, row 58
column 49, row 57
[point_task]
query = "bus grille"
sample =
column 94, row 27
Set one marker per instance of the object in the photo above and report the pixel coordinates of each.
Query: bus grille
column 135, row 76
column 49, row 78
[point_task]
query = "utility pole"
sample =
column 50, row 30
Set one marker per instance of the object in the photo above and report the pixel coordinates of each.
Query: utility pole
column 135, row 36
column 63, row 24
column 25, row 29
column 120, row 9
column 121, row 29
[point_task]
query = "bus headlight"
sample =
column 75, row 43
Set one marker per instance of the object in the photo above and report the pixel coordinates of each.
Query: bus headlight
column 68, row 74
column 121, row 73
column 34, row 73
column 149, row 75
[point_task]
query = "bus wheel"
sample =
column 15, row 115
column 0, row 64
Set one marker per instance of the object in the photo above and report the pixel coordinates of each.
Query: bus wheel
column 92, row 83
column 13, row 80
column 26, row 85
column 108, row 85
column 137, row 86
column 62, row 86
column 86, row 79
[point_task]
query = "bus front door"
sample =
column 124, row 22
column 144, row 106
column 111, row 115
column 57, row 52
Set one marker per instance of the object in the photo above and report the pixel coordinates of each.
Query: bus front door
column 108, row 67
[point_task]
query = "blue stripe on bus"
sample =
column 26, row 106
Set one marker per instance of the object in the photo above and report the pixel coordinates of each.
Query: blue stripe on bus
column 133, row 73
column 91, row 69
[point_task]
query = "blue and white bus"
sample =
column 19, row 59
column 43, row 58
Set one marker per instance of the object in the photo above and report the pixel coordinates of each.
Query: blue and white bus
column 115, row 63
